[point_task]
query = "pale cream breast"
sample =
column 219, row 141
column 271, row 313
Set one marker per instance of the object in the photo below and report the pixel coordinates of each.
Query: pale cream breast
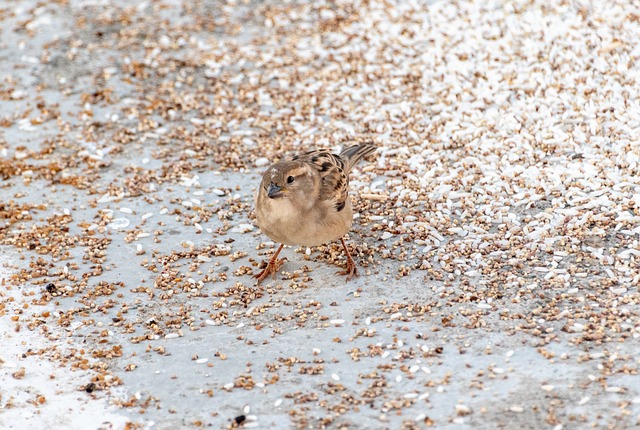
column 285, row 223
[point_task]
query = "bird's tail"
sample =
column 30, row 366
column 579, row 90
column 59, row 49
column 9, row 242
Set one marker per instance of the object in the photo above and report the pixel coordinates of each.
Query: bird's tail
column 352, row 154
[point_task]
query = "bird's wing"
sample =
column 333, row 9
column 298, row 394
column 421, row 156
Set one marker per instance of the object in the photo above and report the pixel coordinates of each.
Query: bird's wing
column 334, row 179
column 354, row 153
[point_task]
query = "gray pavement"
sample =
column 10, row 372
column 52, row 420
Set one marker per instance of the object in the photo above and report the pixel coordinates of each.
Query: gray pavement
column 496, row 233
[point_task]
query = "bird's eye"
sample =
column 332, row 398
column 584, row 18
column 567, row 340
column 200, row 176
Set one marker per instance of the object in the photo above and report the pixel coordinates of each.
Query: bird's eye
column 290, row 179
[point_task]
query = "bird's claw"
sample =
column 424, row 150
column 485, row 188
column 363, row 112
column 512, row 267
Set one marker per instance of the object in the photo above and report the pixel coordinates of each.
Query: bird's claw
column 350, row 272
column 271, row 269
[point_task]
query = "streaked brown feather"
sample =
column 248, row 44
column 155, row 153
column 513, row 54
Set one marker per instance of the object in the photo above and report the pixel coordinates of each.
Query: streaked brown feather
column 334, row 170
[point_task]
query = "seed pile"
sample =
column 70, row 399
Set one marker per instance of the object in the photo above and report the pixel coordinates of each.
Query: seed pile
column 497, row 230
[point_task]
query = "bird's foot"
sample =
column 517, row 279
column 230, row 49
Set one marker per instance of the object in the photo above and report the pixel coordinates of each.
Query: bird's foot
column 350, row 271
column 271, row 269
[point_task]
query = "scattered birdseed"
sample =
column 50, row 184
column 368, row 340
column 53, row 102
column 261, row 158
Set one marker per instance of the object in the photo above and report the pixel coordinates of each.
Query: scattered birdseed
column 119, row 223
column 463, row 410
column 499, row 211
column 261, row 162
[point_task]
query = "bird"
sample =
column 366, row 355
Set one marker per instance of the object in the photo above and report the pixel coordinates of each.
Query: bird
column 304, row 201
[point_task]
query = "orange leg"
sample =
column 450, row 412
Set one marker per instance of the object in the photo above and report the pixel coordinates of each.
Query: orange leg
column 272, row 267
column 351, row 270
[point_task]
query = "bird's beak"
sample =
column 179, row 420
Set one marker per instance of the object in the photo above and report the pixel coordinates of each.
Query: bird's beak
column 274, row 191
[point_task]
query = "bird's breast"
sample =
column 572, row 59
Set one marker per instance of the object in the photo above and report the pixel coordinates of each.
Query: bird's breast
column 283, row 223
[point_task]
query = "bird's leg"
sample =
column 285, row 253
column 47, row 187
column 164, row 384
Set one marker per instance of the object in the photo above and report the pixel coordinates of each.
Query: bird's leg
column 351, row 270
column 272, row 267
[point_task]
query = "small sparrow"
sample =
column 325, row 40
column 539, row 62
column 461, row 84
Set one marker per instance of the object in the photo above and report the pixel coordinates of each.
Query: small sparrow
column 305, row 201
